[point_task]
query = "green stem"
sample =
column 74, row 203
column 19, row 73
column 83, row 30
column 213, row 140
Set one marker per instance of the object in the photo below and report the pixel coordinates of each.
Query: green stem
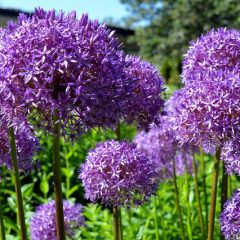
column 204, row 185
column 17, row 184
column 198, row 198
column 177, row 200
column 2, row 230
column 118, row 138
column 156, row 218
column 120, row 225
column 213, row 196
column 57, row 180
column 187, row 202
column 229, row 186
column 116, row 224
column 224, row 190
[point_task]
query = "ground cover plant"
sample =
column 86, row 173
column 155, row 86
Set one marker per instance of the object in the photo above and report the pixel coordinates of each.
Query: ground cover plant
column 92, row 149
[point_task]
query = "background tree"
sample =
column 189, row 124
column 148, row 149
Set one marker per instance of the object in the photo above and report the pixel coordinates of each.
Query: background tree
column 164, row 28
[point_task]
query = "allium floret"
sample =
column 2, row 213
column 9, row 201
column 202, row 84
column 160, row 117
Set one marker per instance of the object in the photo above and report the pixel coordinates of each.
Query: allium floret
column 118, row 174
column 230, row 217
column 43, row 222
column 54, row 63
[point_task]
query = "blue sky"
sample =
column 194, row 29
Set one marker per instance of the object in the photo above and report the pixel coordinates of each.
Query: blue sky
column 99, row 9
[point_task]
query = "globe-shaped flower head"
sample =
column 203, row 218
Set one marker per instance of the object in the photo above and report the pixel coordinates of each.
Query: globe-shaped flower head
column 161, row 147
column 55, row 64
column 43, row 222
column 217, row 50
column 144, row 101
column 206, row 110
column 230, row 217
column 118, row 174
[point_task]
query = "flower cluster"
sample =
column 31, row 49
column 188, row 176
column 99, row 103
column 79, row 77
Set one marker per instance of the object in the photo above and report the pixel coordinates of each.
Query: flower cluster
column 55, row 64
column 144, row 102
column 206, row 110
column 43, row 222
column 118, row 174
column 230, row 217
column 161, row 147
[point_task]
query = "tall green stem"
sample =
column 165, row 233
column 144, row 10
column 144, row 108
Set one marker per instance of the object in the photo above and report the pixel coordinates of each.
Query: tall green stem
column 2, row 230
column 156, row 218
column 213, row 196
column 118, row 137
column 187, row 202
column 203, row 166
column 198, row 198
column 224, row 189
column 57, row 180
column 177, row 200
column 116, row 224
column 17, row 184
column 229, row 186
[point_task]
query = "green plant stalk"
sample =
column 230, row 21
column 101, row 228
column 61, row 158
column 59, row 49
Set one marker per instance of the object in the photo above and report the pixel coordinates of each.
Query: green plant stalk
column 116, row 224
column 187, row 202
column 67, row 179
column 203, row 166
column 177, row 200
column 213, row 196
column 57, row 180
column 229, row 186
column 17, row 184
column 156, row 218
column 200, row 216
column 2, row 230
column 224, row 191
column 118, row 138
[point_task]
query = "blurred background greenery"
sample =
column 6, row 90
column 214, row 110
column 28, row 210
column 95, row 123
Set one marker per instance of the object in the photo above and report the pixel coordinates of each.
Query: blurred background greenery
column 160, row 32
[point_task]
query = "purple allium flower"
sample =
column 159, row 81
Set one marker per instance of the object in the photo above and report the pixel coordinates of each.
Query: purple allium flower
column 26, row 143
column 161, row 147
column 231, row 156
column 57, row 64
column 208, row 112
column 217, row 50
column 230, row 217
column 118, row 174
column 144, row 102
column 43, row 222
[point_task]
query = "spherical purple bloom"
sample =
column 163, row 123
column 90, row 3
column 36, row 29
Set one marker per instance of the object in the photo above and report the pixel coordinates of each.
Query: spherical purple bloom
column 208, row 112
column 118, row 174
column 144, row 102
column 56, row 64
column 26, row 143
column 161, row 147
column 217, row 50
column 43, row 222
column 230, row 217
